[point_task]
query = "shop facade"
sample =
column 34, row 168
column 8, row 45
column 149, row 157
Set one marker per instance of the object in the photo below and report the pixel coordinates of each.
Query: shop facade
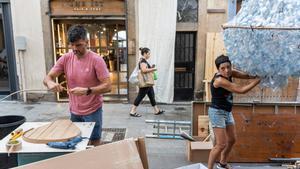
column 113, row 33
column 39, row 32
column 105, row 22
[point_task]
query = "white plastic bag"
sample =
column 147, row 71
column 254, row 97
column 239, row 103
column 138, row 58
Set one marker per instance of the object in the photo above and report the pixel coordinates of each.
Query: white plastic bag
column 133, row 78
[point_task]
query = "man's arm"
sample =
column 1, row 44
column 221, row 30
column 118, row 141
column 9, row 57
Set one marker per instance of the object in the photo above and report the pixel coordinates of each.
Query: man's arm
column 241, row 75
column 104, row 87
column 50, row 83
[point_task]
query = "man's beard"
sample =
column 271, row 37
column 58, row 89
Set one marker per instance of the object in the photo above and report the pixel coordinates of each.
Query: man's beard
column 77, row 53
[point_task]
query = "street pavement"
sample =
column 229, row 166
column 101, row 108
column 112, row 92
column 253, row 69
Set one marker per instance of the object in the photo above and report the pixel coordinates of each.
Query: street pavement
column 162, row 153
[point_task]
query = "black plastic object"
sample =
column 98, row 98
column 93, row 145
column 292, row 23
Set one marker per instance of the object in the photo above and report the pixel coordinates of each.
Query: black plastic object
column 9, row 124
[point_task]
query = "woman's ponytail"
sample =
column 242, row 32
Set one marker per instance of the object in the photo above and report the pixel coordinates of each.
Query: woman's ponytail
column 144, row 50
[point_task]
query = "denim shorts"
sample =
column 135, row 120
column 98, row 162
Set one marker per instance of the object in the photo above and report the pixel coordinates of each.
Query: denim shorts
column 220, row 118
column 93, row 117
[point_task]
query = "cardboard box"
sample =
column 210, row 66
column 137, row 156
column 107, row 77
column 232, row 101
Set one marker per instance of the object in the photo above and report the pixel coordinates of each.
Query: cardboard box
column 198, row 151
column 193, row 166
column 123, row 154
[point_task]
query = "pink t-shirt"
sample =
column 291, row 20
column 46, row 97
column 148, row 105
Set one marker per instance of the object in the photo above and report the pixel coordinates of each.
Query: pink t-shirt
column 88, row 71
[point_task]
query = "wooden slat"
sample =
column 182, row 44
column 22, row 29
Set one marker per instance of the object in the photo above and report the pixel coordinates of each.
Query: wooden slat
column 286, row 94
column 210, row 56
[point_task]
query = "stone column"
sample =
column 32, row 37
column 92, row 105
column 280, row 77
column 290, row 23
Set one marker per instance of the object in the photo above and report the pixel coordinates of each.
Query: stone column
column 132, row 30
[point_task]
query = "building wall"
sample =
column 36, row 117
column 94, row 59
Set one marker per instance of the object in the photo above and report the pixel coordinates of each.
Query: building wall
column 27, row 22
column 211, row 15
column 48, row 46
column 31, row 20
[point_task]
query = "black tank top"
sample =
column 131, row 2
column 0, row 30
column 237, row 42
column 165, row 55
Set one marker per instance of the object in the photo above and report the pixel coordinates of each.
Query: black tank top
column 220, row 97
column 143, row 60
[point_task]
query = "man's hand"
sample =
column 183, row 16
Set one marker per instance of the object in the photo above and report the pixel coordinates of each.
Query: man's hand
column 79, row 91
column 55, row 87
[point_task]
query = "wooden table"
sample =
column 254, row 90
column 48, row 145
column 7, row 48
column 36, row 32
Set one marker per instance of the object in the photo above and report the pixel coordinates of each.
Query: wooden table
column 31, row 152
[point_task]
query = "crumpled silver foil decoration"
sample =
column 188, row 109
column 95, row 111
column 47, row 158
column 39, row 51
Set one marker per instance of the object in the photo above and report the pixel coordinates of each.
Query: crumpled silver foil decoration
column 264, row 40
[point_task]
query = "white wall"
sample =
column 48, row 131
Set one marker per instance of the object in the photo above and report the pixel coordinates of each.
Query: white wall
column 26, row 19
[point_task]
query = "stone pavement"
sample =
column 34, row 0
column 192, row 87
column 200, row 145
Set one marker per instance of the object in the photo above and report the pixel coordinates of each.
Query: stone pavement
column 162, row 153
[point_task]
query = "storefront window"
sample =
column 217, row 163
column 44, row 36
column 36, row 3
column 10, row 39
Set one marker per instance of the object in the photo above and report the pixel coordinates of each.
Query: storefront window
column 187, row 11
column 108, row 39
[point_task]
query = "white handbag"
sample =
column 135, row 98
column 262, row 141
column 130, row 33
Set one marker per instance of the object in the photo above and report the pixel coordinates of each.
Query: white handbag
column 133, row 78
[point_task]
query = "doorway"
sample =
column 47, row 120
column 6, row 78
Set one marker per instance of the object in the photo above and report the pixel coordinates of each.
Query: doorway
column 8, row 75
column 184, row 66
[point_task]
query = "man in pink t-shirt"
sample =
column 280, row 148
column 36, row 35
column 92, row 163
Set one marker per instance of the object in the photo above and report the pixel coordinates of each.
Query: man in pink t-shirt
column 87, row 79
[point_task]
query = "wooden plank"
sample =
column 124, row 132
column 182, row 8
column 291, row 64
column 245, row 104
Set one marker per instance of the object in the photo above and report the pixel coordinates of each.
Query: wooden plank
column 216, row 11
column 59, row 130
column 214, row 48
column 263, row 131
column 210, row 68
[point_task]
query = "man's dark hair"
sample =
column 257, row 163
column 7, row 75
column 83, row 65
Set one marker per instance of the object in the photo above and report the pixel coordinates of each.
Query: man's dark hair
column 221, row 59
column 77, row 32
column 144, row 50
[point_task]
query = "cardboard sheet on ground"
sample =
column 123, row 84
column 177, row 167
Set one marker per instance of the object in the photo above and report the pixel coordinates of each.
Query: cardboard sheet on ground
column 125, row 154
column 193, row 166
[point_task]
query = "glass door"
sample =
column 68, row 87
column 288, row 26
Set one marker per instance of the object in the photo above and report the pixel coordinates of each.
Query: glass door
column 108, row 39
column 4, row 80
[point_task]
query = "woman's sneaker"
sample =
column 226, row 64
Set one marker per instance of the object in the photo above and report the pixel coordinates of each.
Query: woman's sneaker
column 223, row 166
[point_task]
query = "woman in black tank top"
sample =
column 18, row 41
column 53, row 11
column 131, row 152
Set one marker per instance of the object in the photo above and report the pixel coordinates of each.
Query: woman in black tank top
column 219, row 112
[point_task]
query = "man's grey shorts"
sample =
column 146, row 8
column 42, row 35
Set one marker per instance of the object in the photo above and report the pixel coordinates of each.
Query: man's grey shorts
column 220, row 118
